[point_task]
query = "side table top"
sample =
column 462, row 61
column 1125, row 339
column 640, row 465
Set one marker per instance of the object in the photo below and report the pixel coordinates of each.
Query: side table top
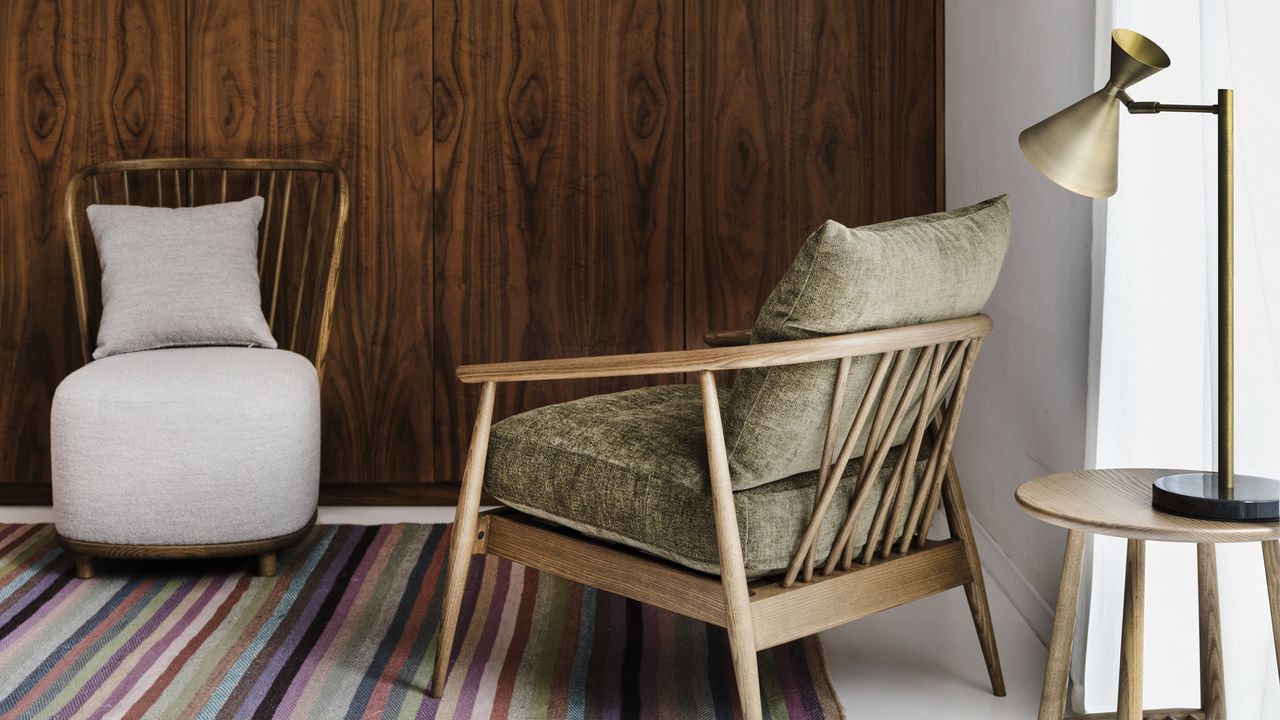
column 1118, row 502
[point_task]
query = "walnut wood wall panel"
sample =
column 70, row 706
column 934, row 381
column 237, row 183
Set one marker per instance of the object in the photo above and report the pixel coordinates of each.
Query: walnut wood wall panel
column 345, row 82
column 531, row 179
column 798, row 112
column 558, row 165
column 80, row 82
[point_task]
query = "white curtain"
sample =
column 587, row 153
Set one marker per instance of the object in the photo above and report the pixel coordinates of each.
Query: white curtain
column 1154, row 378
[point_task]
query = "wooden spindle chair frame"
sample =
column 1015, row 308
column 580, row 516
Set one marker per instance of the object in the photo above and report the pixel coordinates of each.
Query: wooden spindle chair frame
column 920, row 366
column 314, row 216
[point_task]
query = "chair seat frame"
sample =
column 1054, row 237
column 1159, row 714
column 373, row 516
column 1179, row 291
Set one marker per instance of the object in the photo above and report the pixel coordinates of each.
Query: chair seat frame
column 933, row 358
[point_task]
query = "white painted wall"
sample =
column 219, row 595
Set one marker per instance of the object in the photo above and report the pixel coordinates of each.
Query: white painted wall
column 1010, row 63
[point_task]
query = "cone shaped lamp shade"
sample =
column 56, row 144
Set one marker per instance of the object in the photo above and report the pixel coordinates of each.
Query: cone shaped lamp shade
column 1077, row 147
column 1134, row 58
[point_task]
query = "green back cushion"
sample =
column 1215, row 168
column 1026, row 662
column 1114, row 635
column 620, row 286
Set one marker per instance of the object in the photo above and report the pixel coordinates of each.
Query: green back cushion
column 846, row 280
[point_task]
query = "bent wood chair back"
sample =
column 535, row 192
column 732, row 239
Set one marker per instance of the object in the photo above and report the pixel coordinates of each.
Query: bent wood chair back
column 300, row 236
column 920, row 386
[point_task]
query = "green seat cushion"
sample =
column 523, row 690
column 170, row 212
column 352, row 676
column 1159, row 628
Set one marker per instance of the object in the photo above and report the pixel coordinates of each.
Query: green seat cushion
column 846, row 280
column 631, row 467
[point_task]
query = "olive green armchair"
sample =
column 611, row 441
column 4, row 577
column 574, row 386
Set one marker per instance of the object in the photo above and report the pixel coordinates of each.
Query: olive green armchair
column 799, row 499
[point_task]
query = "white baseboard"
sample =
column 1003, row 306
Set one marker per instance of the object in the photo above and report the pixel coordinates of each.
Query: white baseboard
column 26, row 514
column 1000, row 567
column 328, row 514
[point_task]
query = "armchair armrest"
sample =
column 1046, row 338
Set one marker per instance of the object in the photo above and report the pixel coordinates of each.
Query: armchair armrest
column 790, row 352
column 728, row 338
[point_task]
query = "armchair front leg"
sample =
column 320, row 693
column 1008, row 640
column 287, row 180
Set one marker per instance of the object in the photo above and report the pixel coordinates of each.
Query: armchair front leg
column 464, row 536
column 733, row 574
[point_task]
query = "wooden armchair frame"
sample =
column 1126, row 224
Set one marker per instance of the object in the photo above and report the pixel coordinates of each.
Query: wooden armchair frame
column 771, row 611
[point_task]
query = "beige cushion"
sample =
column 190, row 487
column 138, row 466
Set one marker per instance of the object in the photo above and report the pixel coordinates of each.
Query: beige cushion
column 846, row 280
column 186, row 446
column 179, row 276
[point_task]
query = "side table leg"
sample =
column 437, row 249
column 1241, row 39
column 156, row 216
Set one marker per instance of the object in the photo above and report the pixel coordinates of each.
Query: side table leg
column 1213, row 695
column 1129, row 703
column 1271, row 563
column 1053, row 697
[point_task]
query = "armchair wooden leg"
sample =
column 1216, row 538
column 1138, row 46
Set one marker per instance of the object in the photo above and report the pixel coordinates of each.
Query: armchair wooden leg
column 267, row 564
column 742, row 642
column 975, row 591
column 84, row 566
column 464, row 537
column 1129, row 702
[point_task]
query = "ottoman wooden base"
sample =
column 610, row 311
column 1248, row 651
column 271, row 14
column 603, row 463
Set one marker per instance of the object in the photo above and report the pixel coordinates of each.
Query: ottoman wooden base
column 265, row 550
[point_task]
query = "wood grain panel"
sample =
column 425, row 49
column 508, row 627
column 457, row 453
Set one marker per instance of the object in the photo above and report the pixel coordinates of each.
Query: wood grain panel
column 908, row 41
column 531, row 179
column 79, row 82
column 558, row 216
column 346, row 83
column 797, row 113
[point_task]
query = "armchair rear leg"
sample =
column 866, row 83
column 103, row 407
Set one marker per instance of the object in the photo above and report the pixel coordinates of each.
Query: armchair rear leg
column 975, row 591
column 733, row 575
column 464, row 537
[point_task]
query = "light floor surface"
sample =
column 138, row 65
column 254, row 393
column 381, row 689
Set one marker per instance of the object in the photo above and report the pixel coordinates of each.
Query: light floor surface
column 922, row 660
column 913, row 662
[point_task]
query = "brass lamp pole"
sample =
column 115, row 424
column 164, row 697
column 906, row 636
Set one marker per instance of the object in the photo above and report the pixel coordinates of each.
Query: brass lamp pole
column 1078, row 149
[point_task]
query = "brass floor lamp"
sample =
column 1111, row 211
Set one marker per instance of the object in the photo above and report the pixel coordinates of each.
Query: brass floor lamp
column 1077, row 148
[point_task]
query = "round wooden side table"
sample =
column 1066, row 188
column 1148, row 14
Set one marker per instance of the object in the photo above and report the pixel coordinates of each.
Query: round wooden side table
column 1118, row 503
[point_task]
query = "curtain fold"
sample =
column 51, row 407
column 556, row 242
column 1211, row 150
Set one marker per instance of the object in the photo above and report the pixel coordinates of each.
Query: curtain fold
column 1155, row 381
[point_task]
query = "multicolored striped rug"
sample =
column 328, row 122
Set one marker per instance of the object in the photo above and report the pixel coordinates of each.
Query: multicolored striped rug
column 346, row 631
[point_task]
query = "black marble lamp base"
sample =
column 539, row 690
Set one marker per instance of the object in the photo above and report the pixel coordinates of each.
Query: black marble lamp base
column 1199, row 495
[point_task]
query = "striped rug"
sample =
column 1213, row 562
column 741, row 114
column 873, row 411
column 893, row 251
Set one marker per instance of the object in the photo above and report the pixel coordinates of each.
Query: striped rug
column 347, row 630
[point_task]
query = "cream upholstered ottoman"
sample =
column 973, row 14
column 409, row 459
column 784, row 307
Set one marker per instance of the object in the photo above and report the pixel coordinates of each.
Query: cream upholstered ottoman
column 208, row 451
